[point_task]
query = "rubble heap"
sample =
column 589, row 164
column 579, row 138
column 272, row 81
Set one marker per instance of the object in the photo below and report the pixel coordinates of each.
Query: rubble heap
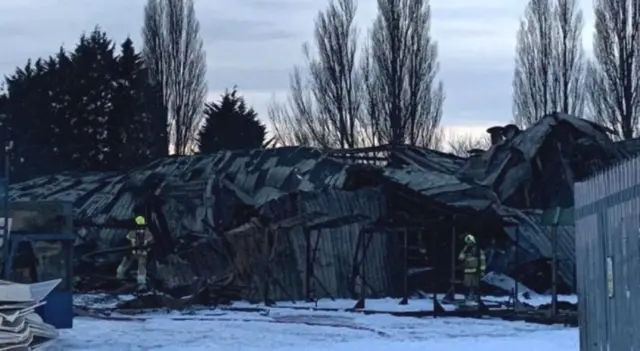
column 297, row 222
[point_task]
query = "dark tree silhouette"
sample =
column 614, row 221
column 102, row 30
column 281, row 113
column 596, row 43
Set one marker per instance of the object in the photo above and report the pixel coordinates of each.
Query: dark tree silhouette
column 174, row 53
column 63, row 76
column 4, row 99
column 90, row 95
column 549, row 71
column 135, row 130
column 4, row 121
column 88, row 110
column 403, row 98
column 325, row 99
column 122, row 120
column 569, row 60
column 230, row 125
column 29, row 132
column 614, row 74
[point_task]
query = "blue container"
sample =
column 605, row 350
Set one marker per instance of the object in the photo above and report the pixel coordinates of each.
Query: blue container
column 58, row 311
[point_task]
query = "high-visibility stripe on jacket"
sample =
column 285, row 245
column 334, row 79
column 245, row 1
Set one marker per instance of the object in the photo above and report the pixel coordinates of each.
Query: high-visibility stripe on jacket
column 140, row 238
column 471, row 261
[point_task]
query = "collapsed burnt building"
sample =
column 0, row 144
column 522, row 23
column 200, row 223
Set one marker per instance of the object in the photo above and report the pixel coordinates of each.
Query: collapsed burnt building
column 296, row 222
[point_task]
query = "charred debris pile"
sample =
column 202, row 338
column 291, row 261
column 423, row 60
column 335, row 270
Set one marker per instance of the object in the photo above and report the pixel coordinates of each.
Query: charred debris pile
column 299, row 223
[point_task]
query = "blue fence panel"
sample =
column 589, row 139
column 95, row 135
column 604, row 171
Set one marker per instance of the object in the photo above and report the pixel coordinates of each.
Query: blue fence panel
column 607, row 258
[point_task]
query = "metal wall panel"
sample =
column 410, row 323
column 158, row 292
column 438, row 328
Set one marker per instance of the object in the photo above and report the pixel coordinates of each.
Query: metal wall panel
column 335, row 249
column 607, row 247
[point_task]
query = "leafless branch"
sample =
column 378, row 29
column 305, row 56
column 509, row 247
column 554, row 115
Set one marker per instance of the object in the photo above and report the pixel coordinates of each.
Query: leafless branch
column 614, row 74
column 549, row 69
column 174, row 52
column 570, row 66
column 461, row 143
column 324, row 105
column 403, row 99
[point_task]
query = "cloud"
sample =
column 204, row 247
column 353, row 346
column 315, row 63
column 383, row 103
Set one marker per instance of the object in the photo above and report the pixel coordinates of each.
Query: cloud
column 254, row 43
column 243, row 31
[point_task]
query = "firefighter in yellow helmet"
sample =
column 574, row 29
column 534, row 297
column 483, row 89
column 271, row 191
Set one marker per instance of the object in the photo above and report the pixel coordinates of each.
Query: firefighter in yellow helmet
column 474, row 264
column 140, row 238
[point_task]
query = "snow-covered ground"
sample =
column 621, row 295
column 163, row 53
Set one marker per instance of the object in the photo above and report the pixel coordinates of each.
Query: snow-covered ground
column 424, row 304
column 286, row 329
column 379, row 305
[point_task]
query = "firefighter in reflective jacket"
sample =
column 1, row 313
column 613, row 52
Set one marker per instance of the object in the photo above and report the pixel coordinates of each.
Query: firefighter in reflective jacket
column 140, row 238
column 473, row 261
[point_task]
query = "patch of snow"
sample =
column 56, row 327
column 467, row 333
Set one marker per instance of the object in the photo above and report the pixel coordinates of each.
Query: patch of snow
column 100, row 300
column 414, row 304
column 548, row 341
column 386, row 304
column 287, row 330
column 546, row 299
column 382, row 305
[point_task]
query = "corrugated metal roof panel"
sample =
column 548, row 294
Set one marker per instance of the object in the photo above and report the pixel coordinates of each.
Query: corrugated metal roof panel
column 430, row 160
column 443, row 188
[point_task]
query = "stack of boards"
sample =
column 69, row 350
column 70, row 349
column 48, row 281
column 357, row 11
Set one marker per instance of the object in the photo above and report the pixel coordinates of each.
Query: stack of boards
column 21, row 328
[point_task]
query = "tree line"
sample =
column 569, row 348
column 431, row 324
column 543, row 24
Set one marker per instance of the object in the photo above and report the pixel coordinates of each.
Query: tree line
column 383, row 88
column 553, row 73
column 353, row 93
column 105, row 106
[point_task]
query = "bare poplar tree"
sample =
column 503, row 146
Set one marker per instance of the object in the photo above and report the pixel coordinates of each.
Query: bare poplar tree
column 324, row 105
column 533, row 95
column 403, row 99
column 335, row 78
column 174, row 53
column 614, row 75
column 285, row 125
column 294, row 121
column 549, row 69
column 570, row 67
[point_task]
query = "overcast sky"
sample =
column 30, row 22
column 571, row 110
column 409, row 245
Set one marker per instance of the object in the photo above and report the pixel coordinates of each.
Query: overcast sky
column 254, row 44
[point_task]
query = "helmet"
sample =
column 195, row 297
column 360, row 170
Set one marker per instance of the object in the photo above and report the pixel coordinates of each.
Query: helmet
column 140, row 220
column 469, row 239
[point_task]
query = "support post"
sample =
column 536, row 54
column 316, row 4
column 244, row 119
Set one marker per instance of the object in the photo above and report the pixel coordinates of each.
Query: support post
column 405, row 278
column 554, row 266
column 363, row 266
column 308, row 282
column 268, row 245
column 554, row 274
column 516, row 300
column 555, row 218
column 437, row 306
column 361, row 303
column 451, row 294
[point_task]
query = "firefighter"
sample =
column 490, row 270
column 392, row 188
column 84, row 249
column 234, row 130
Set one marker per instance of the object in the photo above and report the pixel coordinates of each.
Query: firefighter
column 473, row 261
column 140, row 239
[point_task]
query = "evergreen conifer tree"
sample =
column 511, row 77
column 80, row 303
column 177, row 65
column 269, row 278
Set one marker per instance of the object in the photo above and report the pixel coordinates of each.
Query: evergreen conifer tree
column 91, row 95
column 230, row 125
